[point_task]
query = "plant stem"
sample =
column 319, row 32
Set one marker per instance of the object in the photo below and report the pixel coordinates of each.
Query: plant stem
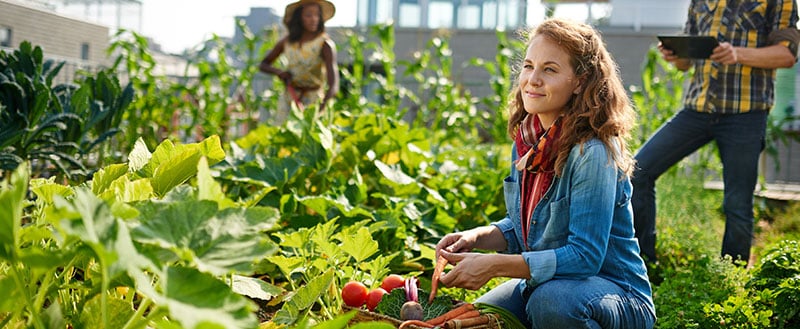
column 134, row 321
column 31, row 306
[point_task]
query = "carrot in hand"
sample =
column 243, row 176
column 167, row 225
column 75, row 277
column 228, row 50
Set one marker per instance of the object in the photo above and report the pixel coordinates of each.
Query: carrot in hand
column 437, row 272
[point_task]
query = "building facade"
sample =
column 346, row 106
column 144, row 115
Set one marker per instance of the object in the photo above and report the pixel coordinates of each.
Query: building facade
column 79, row 43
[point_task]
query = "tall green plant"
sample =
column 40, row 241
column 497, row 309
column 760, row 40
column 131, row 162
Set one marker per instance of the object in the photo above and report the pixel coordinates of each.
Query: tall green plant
column 155, row 104
column 225, row 101
column 495, row 115
column 57, row 127
column 31, row 112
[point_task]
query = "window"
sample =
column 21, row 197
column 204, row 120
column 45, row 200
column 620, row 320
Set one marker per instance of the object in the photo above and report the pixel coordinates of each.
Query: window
column 440, row 14
column 5, row 36
column 409, row 15
column 469, row 16
column 85, row 51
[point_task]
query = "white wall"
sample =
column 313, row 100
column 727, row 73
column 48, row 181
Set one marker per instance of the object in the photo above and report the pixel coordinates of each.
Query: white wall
column 637, row 14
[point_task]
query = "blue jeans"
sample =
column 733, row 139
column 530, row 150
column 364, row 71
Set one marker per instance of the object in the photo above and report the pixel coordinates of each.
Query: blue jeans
column 589, row 303
column 740, row 140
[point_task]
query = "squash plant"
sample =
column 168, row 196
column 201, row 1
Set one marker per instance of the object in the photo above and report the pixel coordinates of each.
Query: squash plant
column 148, row 243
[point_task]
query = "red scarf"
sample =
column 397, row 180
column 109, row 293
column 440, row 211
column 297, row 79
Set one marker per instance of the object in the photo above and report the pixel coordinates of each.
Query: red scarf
column 534, row 148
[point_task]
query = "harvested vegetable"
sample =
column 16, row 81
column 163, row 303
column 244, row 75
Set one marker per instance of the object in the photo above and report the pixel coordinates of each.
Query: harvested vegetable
column 437, row 273
column 411, row 290
column 391, row 303
column 411, row 310
column 468, row 322
column 418, row 323
column 452, row 314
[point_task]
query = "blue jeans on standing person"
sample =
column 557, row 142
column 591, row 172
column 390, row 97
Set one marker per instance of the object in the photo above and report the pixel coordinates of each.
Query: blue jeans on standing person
column 593, row 302
column 740, row 140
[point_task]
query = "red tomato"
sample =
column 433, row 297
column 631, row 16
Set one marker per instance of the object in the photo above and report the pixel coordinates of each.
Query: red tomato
column 392, row 281
column 354, row 294
column 374, row 297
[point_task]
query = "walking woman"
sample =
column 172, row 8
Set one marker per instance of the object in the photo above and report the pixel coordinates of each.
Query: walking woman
column 310, row 72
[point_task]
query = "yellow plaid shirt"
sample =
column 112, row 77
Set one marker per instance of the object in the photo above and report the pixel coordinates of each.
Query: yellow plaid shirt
column 718, row 88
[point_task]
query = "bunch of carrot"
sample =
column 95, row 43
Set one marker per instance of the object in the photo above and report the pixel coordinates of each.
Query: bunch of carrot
column 464, row 315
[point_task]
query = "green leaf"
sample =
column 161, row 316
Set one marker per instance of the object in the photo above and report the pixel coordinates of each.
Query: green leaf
column 255, row 288
column 296, row 239
column 12, row 296
column 178, row 169
column 394, row 173
column 102, row 179
column 12, row 196
column 391, row 303
column 287, row 265
column 219, row 242
column 208, row 188
column 45, row 189
column 361, row 245
column 338, row 322
column 174, row 164
column 91, row 315
column 197, row 299
column 378, row 267
column 89, row 219
column 124, row 190
column 304, row 297
column 322, row 204
column 343, row 320
column 139, row 156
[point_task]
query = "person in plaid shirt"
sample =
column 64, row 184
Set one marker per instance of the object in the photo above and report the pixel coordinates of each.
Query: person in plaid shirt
column 727, row 101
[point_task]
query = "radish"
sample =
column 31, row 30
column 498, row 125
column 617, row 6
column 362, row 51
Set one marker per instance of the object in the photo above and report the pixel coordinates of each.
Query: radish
column 411, row 309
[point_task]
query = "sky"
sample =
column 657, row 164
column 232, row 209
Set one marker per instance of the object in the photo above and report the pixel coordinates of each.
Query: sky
column 180, row 24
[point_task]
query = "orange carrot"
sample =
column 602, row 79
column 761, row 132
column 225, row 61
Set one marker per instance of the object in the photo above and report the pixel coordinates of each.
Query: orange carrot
column 452, row 314
column 437, row 272
column 418, row 323
column 466, row 323
column 468, row 314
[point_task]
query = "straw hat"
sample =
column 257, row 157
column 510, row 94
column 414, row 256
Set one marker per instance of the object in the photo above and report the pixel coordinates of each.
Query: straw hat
column 327, row 9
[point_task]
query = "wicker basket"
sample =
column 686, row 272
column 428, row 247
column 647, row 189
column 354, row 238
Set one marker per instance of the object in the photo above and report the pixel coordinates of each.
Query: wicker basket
column 366, row 316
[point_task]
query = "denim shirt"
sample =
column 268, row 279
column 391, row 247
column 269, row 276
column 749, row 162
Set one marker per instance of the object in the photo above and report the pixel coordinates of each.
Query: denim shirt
column 583, row 225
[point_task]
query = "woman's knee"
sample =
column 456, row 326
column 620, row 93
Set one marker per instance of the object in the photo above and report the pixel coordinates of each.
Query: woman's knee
column 552, row 306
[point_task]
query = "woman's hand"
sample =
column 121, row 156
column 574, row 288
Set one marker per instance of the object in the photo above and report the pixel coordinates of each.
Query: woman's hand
column 457, row 242
column 471, row 270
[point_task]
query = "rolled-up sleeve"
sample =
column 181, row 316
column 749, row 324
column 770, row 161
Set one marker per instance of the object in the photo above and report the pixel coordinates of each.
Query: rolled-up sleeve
column 505, row 226
column 784, row 26
column 542, row 265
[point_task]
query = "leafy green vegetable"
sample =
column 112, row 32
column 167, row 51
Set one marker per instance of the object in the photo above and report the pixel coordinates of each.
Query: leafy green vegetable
column 392, row 302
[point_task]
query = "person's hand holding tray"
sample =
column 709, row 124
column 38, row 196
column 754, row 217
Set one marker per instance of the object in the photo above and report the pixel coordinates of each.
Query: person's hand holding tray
column 689, row 46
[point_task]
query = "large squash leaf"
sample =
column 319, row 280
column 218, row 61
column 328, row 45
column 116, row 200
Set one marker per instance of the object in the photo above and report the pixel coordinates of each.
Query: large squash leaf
column 199, row 300
column 219, row 242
